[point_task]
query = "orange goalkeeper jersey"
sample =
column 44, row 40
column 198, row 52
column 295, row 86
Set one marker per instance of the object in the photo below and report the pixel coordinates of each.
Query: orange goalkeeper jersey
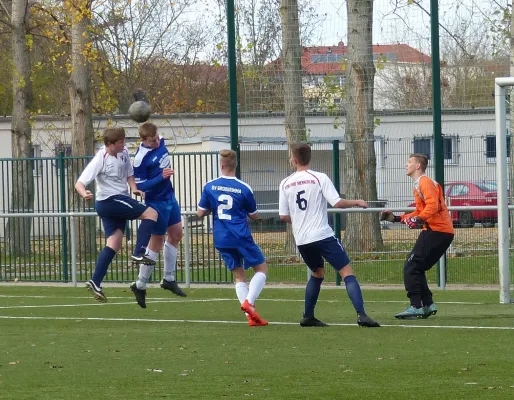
column 430, row 206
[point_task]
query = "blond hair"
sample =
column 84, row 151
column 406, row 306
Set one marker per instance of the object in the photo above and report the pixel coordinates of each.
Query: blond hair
column 228, row 159
column 421, row 159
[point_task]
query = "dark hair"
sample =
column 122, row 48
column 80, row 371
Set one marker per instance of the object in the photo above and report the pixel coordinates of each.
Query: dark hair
column 421, row 159
column 147, row 130
column 112, row 135
column 301, row 153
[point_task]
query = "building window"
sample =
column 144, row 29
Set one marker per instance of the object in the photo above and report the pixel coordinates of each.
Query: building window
column 490, row 148
column 450, row 153
column 423, row 146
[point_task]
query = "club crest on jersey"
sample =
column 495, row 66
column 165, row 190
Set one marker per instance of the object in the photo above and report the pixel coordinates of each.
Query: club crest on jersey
column 164, row 162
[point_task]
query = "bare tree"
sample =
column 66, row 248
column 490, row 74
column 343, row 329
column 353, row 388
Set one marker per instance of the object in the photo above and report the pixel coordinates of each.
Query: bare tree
column 22, row 196
column 82, row 131
column 362, row 230
column 292, row 80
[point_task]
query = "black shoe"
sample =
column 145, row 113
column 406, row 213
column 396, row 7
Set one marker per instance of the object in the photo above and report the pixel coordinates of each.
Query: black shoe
column 96, row 291
column 140, row 295
column 142, row 259
column 364, row 320
column 173, row 286
column 311, row 321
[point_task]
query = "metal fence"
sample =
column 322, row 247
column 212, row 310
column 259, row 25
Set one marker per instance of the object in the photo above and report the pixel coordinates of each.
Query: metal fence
column 58, row 241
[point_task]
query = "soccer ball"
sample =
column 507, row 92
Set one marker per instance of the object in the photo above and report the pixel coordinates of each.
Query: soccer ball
column 140, row 111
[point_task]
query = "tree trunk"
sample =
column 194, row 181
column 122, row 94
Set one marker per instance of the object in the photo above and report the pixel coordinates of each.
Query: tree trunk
column 81, row 120
column 292, row 81
column 363, row 229
column 22, row 196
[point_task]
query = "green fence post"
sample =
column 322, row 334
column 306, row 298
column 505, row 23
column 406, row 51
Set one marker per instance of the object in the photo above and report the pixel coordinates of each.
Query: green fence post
column 337, row 216
column 64, row 243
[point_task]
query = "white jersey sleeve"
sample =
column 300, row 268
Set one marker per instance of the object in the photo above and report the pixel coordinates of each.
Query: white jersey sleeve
column 130, row 167
column 329, row 190
column 92, row 169
column 283, row 205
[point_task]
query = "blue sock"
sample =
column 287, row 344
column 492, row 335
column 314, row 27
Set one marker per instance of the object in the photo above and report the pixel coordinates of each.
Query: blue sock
column 143, row 236
column 354, row 293
column 311, row 295
column 102, row 264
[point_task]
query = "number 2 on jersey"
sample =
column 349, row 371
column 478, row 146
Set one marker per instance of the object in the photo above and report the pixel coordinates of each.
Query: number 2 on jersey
column 302, row 203
column 226, row 204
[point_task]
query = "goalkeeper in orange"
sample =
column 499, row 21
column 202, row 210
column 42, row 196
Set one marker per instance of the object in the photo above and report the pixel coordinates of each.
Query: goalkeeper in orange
column 431, row 215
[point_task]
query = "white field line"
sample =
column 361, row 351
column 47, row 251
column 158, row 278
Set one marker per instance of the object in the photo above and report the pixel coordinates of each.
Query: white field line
column 225, row 322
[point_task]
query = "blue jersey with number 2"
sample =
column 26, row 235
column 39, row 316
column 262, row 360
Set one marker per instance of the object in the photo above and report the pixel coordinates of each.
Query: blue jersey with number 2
column 230, row 200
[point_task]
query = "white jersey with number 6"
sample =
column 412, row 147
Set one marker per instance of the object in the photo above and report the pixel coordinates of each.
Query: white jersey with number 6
column 304, row 196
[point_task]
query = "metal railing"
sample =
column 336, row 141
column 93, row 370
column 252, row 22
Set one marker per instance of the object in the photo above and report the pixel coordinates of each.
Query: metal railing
column 189, row 235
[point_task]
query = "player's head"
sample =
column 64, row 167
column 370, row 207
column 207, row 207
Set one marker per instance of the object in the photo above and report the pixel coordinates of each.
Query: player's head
column 228, row 161
column 300, row 154
column 417, row 164
column 114, row 138
column 148, row 134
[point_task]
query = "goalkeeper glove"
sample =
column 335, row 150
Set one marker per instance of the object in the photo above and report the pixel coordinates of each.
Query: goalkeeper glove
column 414, row 222
column 389, row 216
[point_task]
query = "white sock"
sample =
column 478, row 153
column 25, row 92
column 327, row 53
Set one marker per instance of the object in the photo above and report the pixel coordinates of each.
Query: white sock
column 152, row 255
column 170, row 261
column 256, row 285
column 145, row 271
column 242, row 292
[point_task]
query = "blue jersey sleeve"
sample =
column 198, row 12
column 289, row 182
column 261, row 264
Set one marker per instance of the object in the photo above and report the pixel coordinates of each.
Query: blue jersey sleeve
column 251, row 206
column 204, row 200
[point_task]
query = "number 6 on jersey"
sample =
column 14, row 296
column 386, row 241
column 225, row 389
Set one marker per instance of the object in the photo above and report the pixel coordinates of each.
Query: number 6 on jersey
column 302, row 203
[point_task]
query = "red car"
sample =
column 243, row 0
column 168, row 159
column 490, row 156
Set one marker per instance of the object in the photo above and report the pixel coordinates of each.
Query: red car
column 471, row 193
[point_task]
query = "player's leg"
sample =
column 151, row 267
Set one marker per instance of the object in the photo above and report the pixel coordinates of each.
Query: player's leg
column 439, row 241
column 148, row 218
column 414, row 277
column 315, row 263
column 332, row 250
column 174, row 233
column 114, row 232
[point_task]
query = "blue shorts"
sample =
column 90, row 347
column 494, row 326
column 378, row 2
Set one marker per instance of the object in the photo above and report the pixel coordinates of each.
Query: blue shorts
column 249, row 253
column 168, row 214
column 329, row 249
column 116, row 210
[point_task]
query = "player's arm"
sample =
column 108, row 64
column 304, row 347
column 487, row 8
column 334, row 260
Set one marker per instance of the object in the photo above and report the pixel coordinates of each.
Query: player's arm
column 88, row 175
column 132, row 184
column 283, row 205
column 251, row 205
column 334, row 199
column 204, row 207
column 343, row 203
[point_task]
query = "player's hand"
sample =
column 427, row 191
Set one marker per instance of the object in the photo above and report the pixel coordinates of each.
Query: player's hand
column 138, row 192
column 414, row 222
column 167, row 172
column 361, row 204
column 87, row 195
column 387, row 215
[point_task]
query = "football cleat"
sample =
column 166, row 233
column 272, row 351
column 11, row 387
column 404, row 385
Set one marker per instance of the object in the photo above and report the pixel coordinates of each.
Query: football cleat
column 311, row 321
column 142, row 259
column 429, row 310
column 261, row 322
column 140, row 295
column 96, row 291
column 250, row 310
column 173, row 287
column 367, row 322
column 410, row 312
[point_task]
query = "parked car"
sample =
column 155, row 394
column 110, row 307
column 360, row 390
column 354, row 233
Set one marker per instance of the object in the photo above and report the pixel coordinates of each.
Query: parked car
column 471, row 193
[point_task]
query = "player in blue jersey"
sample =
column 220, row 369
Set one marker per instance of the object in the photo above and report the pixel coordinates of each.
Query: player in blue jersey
column 112, row 172
column 152, row 172
column 231, row 202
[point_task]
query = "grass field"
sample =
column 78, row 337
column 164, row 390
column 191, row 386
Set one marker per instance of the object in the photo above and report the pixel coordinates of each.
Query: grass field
column 57, row 343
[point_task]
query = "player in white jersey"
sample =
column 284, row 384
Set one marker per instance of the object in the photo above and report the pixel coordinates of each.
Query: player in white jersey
column 112, row 172
column 303, row 202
